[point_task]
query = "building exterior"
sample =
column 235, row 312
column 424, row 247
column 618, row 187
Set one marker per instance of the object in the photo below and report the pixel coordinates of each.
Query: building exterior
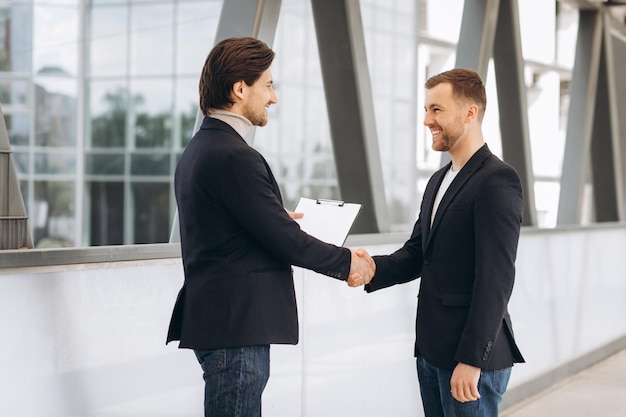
column 100, row 97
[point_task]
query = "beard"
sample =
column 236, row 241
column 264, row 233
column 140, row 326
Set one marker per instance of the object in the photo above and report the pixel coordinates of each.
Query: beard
column 448, row 137
column 258, row 117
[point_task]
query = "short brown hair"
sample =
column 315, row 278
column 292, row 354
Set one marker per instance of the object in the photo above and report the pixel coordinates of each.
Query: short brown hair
column 230, row 61
column 466, row 85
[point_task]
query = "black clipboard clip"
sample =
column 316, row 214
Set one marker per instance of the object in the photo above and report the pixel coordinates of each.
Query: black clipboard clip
column 337, row 203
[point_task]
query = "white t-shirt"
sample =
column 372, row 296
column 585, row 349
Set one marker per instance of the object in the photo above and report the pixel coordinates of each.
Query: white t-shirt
column 447, row 180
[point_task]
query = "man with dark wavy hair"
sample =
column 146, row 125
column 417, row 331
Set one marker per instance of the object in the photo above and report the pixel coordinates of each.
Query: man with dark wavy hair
column 238, row 242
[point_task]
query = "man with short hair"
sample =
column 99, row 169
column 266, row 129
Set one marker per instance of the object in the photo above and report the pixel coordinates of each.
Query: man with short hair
column 238, row 242
column 463, row 247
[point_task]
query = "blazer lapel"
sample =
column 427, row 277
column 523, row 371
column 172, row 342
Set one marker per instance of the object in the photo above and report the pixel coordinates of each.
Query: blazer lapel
column 429, row 200
column 463, row 176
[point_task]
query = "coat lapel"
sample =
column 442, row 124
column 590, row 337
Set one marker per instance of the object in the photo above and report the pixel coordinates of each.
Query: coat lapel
column 462, row 177
column 429, row 200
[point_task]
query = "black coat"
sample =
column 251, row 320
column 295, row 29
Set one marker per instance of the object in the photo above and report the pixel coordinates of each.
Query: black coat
column 238, row 244
column 467, row 266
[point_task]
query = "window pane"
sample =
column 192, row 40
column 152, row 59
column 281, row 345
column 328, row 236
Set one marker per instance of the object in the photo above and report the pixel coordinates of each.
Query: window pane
column 105, row 164
column 14, row 93
column 155, row 164
column 55, row 39
column 16, row 25
column 106, row 201
column 18, row 126
column 53, row 221
column 109, row 41
column 151, row 26
column 187, row 105
column 55, row 163
column 108, row 103
column 152, row 214
column 153, row 113
column 21, row 162
column 55, row 117
column 196, row 24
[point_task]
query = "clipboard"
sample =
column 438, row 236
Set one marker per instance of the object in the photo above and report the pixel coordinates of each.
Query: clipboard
column 328, row 220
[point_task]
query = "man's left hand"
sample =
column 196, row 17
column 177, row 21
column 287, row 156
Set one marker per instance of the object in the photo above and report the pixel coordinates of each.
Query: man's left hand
column 464, row 383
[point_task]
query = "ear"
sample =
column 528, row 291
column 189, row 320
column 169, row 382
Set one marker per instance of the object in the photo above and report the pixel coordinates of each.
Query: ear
column 239, row 90
column 471, row 113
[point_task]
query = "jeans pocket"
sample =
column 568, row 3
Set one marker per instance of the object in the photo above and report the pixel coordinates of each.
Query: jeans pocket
column 501, row 380
column 211, row 361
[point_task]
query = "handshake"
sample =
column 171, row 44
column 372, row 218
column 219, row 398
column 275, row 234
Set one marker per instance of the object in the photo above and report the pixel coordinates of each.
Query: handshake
column 362, row 268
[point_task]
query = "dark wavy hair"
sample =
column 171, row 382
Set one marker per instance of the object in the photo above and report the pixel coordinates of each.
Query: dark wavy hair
column 230, row 61
column 466, row 85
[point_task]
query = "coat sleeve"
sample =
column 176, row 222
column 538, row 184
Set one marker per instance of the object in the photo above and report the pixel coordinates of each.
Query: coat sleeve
column 402, row 266
column 497, row 220
column 249, row 191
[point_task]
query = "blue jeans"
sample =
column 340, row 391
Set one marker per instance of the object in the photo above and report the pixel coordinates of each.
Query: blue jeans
column 234, row 380
column 437, row 399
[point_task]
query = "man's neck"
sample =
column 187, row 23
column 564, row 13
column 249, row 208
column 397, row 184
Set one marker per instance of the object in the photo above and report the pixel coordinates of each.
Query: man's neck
column 235, row 120
column 462, row 154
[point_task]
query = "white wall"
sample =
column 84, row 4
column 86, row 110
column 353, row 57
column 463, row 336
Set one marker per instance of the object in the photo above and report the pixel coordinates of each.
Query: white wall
column 88, row 340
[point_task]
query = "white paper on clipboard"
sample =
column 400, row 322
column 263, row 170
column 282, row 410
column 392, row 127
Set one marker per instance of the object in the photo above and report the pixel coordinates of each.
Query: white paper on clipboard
column 327, row 220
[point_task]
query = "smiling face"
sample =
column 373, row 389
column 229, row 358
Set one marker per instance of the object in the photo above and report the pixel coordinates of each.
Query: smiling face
column 258, row 97
column 445, row 117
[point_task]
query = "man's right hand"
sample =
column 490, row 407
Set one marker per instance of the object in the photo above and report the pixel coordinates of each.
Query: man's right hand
column 362, row 268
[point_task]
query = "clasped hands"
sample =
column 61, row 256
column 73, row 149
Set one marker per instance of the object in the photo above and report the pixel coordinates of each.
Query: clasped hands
column 362, row 268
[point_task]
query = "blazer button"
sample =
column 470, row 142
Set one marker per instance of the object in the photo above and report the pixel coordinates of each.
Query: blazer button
column 426, row 262
column 485, row 357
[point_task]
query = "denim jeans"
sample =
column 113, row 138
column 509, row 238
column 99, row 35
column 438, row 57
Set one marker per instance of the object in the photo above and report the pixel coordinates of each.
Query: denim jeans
column 234, row 380
column 437, row 399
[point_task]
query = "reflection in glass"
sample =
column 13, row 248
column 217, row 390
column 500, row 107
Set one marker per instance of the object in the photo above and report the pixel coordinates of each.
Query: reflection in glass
column 53, row 220
column 151, row 212
column 14, row 92
column 18, row 126
column 16, row 24
column 186, row 107
column 55, row 116
column 55, row 163
column 104, row 164
column 152, row 39
column 106, row 217
column 196, row 24
column 20, row 159
column 108, row 41
column 108, row 104
column 153, row 103
column 150, row 164
column 55, row 38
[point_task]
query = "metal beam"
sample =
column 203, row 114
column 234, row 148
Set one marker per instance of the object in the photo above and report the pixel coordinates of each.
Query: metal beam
column 513, row 107
column 256, row 18
column 606, row 161
column 580, row 118
column 477, row 35
column 476, row 39
column 351, row 110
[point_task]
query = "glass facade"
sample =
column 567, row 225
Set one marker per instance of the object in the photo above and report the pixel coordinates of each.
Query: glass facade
column 100, row 97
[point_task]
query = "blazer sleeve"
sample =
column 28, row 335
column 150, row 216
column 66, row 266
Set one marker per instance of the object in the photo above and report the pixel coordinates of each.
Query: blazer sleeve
column 497, row 216
column 402, row 266
column 249, row 191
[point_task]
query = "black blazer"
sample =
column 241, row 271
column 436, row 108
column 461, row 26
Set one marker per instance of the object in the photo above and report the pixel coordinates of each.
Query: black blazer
column 467, row 265
column 238, row 244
